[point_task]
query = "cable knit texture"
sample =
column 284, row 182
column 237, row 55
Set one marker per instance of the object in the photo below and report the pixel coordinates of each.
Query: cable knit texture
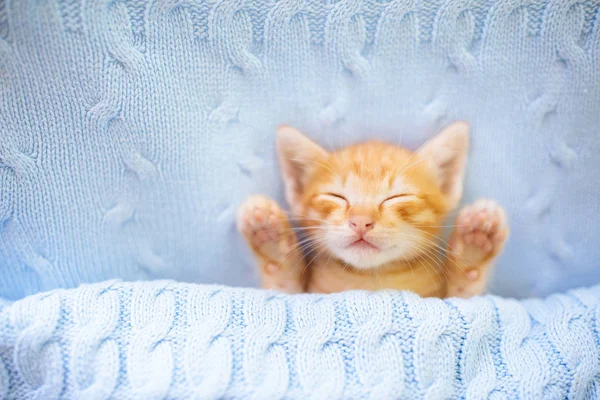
column 161, row 339
column 130, row 130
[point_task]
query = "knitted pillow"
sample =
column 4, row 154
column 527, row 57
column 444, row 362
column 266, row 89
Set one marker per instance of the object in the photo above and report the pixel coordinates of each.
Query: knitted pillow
column 130, row 131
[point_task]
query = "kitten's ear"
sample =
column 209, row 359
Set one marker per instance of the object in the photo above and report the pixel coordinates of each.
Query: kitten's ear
column 298, row 156
column 446, row 155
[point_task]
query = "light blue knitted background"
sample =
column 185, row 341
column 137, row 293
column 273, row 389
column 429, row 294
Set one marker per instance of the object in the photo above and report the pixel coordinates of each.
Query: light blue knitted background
column 159, row 340
column 130, row 130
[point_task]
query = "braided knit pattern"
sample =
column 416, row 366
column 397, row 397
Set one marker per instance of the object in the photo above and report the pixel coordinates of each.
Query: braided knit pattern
column 167, row 340
column 130, row 130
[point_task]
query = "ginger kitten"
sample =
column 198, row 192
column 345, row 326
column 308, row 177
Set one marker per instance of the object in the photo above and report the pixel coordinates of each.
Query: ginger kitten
column 369, row 217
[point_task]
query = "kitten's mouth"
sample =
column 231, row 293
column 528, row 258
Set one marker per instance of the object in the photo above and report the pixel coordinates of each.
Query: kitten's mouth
column 363, row 244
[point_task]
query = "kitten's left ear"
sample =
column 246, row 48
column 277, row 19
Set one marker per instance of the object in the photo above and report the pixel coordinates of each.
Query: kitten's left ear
column 446, row 154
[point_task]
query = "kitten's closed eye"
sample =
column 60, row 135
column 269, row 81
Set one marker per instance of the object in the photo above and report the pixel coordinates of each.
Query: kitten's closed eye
column 399, row 198
column 333, row 197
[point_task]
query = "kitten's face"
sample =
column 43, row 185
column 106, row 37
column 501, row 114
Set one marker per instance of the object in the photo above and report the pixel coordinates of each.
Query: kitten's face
column 372, row 203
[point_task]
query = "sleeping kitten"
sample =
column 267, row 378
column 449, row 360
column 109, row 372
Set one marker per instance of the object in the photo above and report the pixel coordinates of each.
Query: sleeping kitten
column 369, row 217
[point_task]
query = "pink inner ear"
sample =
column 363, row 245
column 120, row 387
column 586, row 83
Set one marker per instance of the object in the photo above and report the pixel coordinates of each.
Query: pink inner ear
column 453, row 178
column 297, row 157
column 294, row 174
column 446, row 155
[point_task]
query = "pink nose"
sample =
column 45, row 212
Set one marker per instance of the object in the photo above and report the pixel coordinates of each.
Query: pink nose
column 361, row 224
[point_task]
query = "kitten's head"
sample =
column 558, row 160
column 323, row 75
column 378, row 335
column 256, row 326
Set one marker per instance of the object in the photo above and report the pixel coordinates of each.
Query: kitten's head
column 373, row 203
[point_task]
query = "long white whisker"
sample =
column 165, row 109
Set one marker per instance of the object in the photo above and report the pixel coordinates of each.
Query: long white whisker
column 324, row 245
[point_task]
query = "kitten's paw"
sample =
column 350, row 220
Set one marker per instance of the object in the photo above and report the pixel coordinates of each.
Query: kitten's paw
column 265, row 227
column 480, row 234
column 481, row 231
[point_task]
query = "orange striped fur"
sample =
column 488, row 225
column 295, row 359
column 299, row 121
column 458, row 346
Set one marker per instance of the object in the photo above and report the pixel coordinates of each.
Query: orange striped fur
column 369, row 215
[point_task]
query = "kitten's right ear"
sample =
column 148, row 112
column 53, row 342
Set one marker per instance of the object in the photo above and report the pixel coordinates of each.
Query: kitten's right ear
column 298, row 156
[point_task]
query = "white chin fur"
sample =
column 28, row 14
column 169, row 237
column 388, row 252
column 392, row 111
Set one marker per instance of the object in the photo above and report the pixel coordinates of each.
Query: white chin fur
column 364, row 258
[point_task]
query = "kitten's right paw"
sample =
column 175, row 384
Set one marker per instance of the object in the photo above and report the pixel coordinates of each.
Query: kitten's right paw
column 266, row 228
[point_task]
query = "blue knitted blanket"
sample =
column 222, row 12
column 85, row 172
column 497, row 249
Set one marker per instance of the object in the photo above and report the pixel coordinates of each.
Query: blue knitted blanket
column 130, row 130
column 184, row 341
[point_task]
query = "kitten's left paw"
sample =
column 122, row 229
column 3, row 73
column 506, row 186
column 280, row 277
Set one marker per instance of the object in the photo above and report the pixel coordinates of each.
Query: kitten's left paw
column 480, row 233
column 481, row 230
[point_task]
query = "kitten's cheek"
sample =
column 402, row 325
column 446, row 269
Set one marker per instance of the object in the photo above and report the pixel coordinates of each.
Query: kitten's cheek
column 337, row 217
column 335, row 240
